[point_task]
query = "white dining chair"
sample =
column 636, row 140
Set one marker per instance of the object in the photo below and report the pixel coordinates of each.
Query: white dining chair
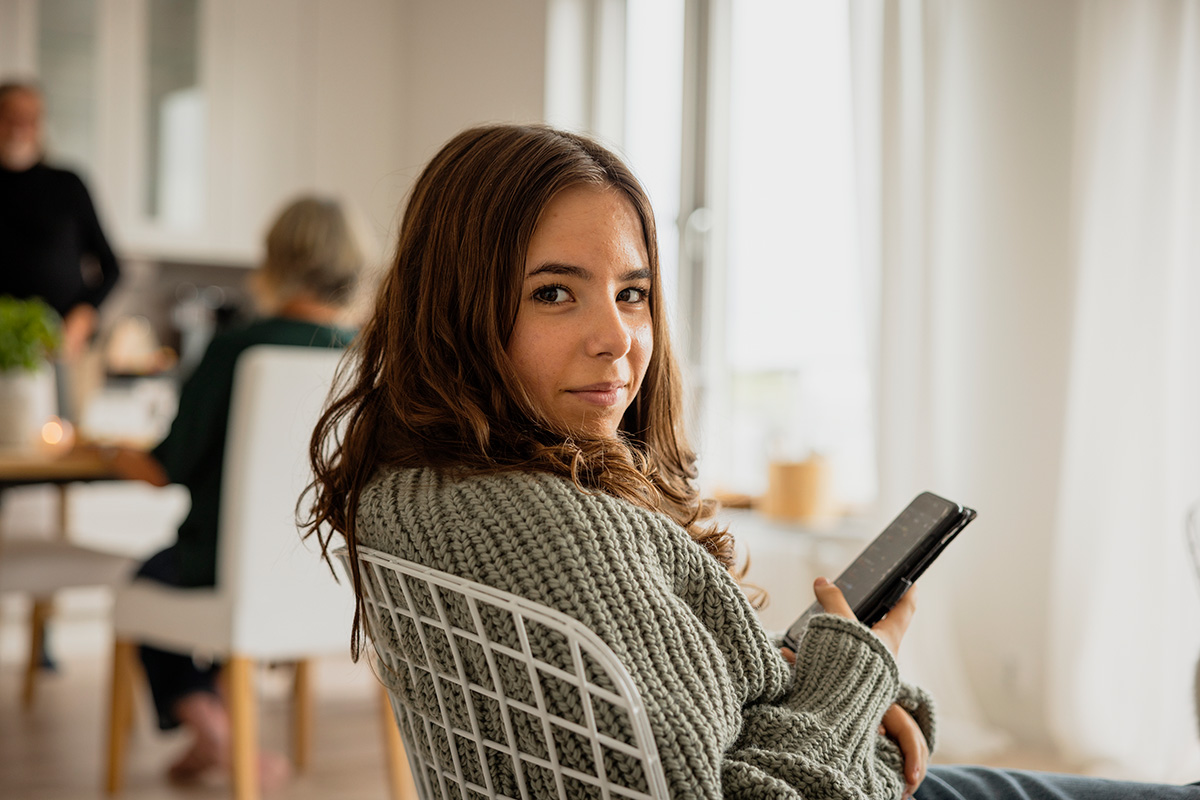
column 554, row 713
column 42, row 567
column 275, row 599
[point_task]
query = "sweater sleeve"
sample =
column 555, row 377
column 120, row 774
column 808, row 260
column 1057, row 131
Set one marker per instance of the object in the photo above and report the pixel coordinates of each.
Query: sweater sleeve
column 822, row 739
column 95, row 243
column 728, row 719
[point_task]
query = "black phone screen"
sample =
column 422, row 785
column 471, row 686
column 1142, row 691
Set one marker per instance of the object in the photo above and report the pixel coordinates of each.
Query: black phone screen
column 881, row 575
column 927, row 514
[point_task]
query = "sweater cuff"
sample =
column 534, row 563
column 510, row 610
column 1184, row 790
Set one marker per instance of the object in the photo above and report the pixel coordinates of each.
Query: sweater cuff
column 845, row 674
column 916, row 701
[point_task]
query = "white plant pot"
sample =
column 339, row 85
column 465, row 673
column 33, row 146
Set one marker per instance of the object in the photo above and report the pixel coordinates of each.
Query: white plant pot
column 26, row 402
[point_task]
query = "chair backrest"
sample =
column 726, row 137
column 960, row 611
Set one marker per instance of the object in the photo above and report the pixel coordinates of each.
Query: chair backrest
column 283, row 595
column 535, row 704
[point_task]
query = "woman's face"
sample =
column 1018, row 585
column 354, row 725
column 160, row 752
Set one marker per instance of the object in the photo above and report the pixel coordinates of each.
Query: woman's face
column 583, row 333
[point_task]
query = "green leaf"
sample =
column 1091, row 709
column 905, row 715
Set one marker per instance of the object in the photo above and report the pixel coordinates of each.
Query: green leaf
column 30, row 332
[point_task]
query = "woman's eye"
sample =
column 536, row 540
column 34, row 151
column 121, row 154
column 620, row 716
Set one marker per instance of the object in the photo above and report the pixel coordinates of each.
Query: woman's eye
column 633, row 295
column 551, row 294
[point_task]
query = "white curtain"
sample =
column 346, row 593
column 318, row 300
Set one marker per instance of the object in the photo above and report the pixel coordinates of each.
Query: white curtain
column 1030, row 173
column 964, row 120
column 1124, row 621
column 896, row 60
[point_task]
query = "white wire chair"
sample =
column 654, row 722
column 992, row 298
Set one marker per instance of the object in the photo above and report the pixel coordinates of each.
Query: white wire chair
column 500, row 697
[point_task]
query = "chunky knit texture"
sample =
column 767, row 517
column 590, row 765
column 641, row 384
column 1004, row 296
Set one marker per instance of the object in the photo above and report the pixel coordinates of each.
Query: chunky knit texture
column 730, row 717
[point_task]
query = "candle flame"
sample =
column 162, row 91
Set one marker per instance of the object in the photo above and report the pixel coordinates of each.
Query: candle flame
column 52, row 432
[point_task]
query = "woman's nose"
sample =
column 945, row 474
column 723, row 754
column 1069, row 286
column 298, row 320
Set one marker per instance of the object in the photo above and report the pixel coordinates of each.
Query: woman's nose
column 609, row 333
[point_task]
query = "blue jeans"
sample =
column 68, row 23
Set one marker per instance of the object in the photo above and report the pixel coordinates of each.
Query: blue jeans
column 985, row 783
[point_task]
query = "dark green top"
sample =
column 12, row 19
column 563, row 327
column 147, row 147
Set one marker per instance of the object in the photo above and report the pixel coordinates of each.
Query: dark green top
column 194, row 451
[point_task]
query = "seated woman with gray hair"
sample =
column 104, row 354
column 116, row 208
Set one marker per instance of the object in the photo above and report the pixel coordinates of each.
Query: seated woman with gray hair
column 304, row 289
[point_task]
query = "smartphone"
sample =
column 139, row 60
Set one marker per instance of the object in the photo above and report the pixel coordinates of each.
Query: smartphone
column 882, row 573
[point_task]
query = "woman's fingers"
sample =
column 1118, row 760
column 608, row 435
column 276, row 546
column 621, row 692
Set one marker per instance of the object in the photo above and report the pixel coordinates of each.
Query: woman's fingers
column 899, row 725
column 831, row 598
column 891, row 629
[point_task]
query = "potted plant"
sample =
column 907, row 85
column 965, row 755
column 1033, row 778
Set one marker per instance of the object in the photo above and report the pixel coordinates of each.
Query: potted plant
column 29, row 334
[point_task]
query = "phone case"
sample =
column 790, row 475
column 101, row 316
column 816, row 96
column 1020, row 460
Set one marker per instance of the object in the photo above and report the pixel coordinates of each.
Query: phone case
column 877, row 579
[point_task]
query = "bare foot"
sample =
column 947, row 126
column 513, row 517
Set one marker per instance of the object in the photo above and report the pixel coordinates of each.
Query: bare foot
column 205, row 715
column 199, row 764
column 274, row 771
column 193, row 764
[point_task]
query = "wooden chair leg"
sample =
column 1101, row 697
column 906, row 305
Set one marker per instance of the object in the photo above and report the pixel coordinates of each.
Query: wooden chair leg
column 120, row 715
column 302, row 715
column 243, row 717
column 400, row 779
column 38, row 615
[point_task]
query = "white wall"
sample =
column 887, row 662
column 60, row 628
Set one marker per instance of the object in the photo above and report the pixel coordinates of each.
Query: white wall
column 308, row 97
column 362, row 105
column 466, row 62
column 367, row 89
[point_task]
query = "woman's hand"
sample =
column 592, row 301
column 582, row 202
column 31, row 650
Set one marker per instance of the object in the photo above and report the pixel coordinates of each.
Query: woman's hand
column 897, row 723
column 77, row 328
column 129, row 464
column 899, row 726
column 890, row 629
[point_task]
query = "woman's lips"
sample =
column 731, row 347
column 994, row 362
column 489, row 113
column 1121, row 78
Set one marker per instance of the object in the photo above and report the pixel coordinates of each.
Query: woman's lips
column 600, row 394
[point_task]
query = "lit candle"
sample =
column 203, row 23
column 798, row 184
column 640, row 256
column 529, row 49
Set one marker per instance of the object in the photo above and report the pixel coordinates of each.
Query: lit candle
column 57, row 437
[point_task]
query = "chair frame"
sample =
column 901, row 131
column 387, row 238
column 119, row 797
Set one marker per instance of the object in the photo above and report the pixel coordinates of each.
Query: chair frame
column 381, row 608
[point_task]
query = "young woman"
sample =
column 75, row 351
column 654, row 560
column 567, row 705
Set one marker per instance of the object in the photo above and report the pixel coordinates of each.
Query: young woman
column 513, row 416
column 304, row 287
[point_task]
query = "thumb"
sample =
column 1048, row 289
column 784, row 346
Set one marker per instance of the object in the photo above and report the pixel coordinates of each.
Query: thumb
column 831, row 598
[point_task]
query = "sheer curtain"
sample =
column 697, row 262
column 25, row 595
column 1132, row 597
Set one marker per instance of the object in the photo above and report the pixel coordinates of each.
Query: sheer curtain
column 900, row 67
column 1124, row 610
column 1030, row 172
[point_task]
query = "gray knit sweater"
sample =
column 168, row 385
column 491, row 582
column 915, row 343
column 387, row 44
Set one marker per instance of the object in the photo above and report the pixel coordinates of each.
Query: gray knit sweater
column 730, row 717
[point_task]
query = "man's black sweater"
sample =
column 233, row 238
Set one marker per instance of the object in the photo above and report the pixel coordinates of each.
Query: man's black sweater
column 48, row 225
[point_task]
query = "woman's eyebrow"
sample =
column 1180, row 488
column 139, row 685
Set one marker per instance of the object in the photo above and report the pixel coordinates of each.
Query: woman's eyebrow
column 572, row 271
column 560, row 269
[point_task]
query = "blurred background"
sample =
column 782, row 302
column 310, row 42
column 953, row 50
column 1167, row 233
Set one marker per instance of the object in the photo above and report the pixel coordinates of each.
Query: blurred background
column 933, row 244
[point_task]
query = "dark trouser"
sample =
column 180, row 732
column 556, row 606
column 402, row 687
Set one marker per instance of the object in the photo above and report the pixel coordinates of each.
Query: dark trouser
column 983, row 783
column 172, row 676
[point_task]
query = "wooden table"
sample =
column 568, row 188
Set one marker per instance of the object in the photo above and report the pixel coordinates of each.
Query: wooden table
column 24, row 467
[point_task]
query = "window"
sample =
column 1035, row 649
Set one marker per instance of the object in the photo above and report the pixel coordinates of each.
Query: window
column 781, row 363
column 66, row 68
column 176, row 118
column 654, row 114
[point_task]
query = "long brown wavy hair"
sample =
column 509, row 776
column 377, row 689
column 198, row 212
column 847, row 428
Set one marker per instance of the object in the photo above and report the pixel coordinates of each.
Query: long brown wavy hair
column 428, row 381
